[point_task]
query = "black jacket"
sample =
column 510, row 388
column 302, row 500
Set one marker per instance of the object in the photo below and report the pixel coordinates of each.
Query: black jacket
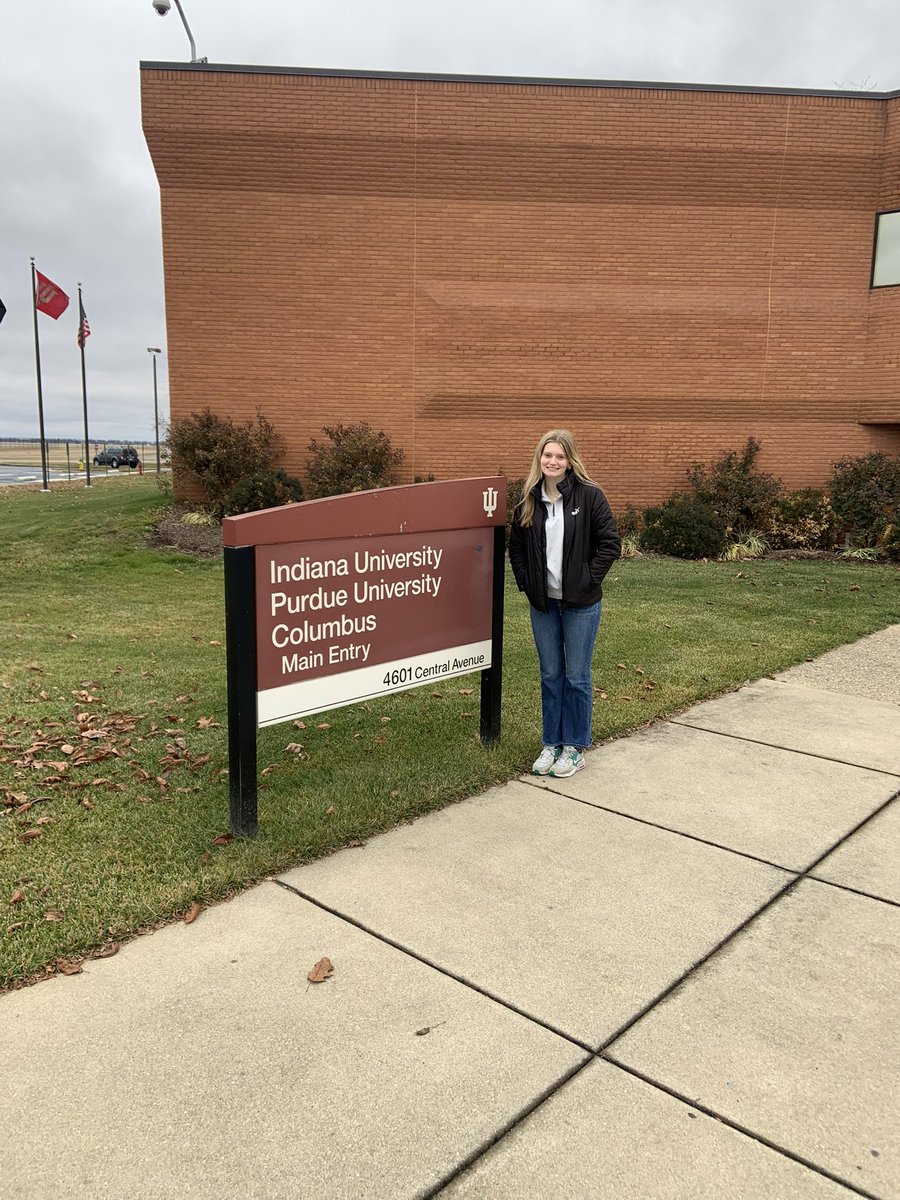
column 590, row 545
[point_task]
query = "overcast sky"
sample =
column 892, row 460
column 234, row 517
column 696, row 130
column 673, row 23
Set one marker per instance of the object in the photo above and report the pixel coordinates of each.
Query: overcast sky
column 78, row 191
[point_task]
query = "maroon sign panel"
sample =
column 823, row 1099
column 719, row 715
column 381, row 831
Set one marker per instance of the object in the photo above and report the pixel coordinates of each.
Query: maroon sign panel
column 375, row 592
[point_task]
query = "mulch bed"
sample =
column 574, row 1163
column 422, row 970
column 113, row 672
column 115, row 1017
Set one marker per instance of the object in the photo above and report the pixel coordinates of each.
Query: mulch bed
column 201, row 541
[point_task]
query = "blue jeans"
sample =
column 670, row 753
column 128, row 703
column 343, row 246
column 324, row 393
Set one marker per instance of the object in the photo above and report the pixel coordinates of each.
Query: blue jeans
column 565, row 645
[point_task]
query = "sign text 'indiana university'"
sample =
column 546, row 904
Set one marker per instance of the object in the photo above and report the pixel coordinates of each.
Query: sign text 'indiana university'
column 336, row 601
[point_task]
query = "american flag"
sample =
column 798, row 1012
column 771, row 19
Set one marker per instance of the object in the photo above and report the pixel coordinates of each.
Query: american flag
column 84, row 329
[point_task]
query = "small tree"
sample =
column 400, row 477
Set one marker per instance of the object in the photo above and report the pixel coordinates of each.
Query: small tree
column 735, row 491
column 356, row 460
column 216, row 453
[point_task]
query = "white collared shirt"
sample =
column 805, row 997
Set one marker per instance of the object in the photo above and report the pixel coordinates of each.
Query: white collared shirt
column 553, row 529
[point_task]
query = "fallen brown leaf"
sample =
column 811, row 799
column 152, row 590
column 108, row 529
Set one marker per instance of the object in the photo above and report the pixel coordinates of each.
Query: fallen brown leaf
column 466, row 691
column 108, row 950
column 15, row 925
column 323, row 725
column 17, row 897
column 329, row 811
column 53, row 914
column 67, row 749
column 68, row 967
column 193, row 913
column 215, row 643
column 855, row 587
column 222, row 839
column 321, row 971
column 29, row 835
column 299, row 724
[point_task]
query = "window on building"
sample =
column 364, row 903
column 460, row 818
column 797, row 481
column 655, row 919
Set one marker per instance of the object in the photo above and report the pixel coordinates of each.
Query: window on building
column 886, row 259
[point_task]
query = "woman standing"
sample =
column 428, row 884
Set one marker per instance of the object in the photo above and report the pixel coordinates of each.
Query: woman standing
column 563, row 542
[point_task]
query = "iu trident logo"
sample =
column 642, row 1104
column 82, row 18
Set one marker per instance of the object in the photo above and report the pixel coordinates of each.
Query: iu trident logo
column 490, row 501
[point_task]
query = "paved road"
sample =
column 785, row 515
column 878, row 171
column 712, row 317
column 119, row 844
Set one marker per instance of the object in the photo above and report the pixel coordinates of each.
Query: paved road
column 23, row 474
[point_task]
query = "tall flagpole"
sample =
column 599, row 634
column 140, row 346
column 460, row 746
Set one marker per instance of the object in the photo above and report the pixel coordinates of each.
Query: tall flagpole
column 81, row 341
column 37, row 360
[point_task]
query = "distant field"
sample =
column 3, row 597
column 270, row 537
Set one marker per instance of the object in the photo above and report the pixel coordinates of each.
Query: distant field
column 64, row 454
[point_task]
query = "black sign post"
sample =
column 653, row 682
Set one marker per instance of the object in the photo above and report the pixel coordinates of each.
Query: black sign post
column 240, row 647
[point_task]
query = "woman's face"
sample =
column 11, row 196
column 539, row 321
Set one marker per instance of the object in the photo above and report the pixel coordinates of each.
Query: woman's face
column 554, row 463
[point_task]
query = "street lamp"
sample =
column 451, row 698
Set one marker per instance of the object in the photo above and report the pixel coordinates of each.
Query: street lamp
column 162, row 7
column 154, row 350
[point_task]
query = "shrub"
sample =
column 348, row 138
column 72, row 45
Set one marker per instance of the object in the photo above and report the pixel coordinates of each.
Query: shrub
column 683, row 527
column 356, row 460
column 735, row 491
column 865, row 495
column 802, row 520
column 265, row 489
column 217, row 453
column 630, row 522
column 515, row 489
column 888, row 543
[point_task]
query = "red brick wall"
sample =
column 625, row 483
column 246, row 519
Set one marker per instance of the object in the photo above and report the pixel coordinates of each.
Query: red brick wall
column 467, row 264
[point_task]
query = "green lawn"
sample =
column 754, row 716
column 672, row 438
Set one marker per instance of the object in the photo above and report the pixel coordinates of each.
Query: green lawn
column 113, row 763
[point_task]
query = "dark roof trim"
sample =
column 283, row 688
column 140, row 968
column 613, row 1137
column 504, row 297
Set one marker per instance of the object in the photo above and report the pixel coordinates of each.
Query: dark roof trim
column 237, row 69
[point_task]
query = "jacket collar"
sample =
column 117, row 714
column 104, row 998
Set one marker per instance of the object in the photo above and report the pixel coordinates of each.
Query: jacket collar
column 565, row 486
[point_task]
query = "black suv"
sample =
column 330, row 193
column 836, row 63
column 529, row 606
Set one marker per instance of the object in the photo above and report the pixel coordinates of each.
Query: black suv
column 115, row 456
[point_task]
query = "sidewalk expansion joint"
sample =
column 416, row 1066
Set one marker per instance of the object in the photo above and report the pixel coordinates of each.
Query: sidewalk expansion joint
column 693, row 837
column 845, row 887
column 788, row 749
column 738, row 1128
column 502, row 1132
column 694, row 967
column 414, row 954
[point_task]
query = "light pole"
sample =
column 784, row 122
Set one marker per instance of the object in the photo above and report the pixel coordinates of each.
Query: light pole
column 162, row 7
column 154, row 350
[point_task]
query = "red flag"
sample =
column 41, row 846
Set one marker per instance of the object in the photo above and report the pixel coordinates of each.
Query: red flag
column 50, row 299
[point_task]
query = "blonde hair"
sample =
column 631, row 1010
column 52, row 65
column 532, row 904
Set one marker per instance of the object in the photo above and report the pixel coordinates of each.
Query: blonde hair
column 579, row 470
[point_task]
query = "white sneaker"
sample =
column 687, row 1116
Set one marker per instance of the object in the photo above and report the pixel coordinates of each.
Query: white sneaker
column 569, row 761
column 545, row 760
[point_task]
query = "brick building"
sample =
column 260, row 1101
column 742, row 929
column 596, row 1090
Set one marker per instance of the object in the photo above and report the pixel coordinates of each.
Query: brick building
column 466, row 262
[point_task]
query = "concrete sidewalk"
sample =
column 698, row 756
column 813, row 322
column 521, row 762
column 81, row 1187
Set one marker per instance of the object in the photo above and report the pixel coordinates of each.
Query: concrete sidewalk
column 674, row 975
